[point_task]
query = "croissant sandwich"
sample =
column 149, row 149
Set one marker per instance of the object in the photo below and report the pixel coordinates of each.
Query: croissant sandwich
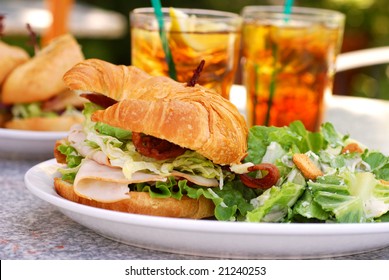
column 36, row 93
column 150, row 145
column 10, row 58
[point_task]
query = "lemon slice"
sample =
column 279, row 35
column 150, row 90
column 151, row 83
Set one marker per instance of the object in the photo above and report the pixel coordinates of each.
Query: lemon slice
column 198, row 34
column 180, row 21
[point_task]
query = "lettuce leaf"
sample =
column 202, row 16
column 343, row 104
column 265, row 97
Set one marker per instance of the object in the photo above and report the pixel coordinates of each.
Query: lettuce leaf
column 231, row 203
column 73, row 161
column 359, row 197
column 378, row 163
column 260, row 137
column 294, row 137
column 275, row 203
column 30, row 110
column 115, row 132
column 73, row 158
column 310, row 209
column 167, row 189
column 309, row 141
column 331, row 136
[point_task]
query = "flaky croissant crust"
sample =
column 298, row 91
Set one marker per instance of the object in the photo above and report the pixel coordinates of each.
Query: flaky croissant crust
column 192, row 117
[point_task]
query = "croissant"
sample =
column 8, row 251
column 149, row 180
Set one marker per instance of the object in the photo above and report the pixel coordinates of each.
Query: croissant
column 40, row 78
column 195, row 118
column 10, row 58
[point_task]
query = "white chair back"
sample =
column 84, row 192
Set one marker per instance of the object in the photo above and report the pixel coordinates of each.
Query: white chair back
column 362, row 58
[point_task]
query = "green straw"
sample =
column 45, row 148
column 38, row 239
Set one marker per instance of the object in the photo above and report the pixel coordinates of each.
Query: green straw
column 288, row 8
column 272, row 89
column 272, row 86
column 165, row 45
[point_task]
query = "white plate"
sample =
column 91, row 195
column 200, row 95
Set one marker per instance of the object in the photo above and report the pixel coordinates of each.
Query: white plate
column 213, row 238
column 28, row 144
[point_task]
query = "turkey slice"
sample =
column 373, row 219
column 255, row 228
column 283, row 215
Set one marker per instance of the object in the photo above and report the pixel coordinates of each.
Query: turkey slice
column 107, row 184
column 77, row 138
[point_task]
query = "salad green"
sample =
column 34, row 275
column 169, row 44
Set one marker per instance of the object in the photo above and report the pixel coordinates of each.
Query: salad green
column 34, row 109
column 354, row 187
column 30, row 110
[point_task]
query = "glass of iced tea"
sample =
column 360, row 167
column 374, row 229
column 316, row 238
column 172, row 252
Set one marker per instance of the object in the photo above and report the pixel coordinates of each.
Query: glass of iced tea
column 288, row 63
column 193, row 35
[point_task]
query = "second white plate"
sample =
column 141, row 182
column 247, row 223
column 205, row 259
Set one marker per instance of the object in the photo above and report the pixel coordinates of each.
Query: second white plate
column 26, row 144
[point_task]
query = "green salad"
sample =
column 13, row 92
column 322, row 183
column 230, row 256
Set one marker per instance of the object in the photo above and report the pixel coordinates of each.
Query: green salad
column 353, row 187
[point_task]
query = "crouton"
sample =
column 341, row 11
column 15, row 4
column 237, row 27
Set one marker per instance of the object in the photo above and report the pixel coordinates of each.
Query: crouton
column 306, row 166
column 352, row 148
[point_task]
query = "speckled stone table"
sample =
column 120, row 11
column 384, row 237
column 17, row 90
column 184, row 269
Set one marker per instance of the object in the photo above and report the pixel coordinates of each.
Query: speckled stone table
column 33, row 229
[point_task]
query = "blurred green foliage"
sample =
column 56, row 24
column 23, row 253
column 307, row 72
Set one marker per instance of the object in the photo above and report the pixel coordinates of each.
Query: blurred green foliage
column 367, row 26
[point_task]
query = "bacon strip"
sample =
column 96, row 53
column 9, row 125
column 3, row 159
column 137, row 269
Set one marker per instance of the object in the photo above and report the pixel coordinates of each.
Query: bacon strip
column 99, row 99
column 153, row 147
column 33, row 41
column 1, row 25
column 196, row 74
column 271, row 178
